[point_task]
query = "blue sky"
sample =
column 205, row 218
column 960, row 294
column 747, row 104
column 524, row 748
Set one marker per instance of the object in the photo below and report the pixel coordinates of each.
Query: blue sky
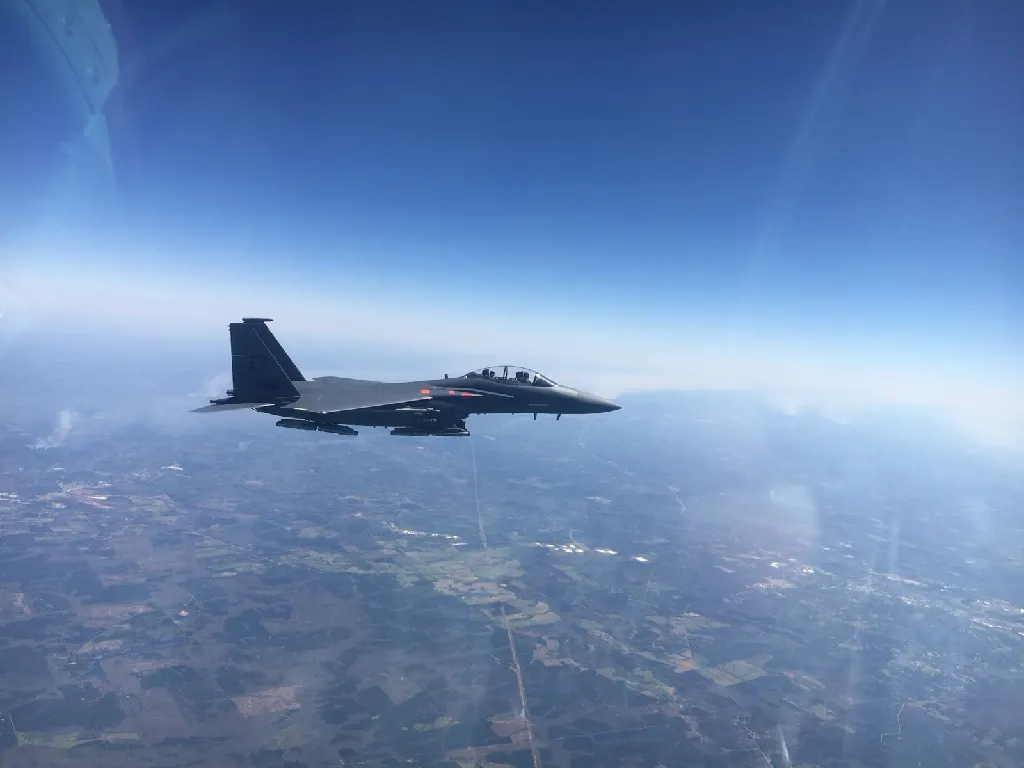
column 815, row 193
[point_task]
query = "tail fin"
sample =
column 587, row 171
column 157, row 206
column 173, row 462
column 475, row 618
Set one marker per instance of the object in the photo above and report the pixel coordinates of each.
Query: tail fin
column 274, row 346
column 261, row 371
column 257, row 375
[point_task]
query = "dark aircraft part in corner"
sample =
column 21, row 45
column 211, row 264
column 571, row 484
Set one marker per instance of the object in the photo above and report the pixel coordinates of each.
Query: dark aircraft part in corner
column 297, row 424
column 336, row 429
column 443, row 432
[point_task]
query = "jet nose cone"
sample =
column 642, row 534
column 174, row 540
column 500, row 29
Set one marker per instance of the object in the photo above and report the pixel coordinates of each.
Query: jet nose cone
column 597, row 404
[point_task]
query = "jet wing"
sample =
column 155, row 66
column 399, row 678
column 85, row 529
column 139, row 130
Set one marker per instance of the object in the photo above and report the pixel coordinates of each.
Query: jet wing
column 329, row 394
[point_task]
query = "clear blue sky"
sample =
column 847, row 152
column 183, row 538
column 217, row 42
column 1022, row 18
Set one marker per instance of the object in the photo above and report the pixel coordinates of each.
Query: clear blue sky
column 828, row 163
column 847, row 175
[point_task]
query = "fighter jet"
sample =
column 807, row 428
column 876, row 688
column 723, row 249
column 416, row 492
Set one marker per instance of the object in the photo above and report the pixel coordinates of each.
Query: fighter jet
column 265, row 379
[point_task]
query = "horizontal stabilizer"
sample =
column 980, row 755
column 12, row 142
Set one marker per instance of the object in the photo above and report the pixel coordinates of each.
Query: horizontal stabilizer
column 227, row 407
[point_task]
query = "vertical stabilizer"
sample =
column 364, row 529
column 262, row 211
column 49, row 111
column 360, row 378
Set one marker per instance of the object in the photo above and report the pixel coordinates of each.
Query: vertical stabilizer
column 274, row 346
column 256, row 374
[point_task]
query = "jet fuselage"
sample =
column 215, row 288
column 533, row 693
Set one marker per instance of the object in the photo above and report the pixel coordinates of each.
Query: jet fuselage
column 265, row 379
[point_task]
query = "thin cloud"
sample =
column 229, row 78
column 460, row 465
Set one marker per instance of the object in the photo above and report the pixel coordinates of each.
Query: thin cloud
column 608, row 357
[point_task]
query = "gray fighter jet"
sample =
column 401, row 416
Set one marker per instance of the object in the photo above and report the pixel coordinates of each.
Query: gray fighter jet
column 265, row 379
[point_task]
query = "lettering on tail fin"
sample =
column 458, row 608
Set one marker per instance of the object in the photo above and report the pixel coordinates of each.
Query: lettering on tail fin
column 261, row 364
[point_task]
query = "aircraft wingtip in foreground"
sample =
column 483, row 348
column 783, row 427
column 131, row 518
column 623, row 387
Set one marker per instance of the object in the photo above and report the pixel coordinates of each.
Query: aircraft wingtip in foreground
column 265, row 379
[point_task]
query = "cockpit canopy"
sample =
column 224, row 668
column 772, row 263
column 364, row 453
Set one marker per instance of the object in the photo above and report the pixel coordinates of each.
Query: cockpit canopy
column 511, row 374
